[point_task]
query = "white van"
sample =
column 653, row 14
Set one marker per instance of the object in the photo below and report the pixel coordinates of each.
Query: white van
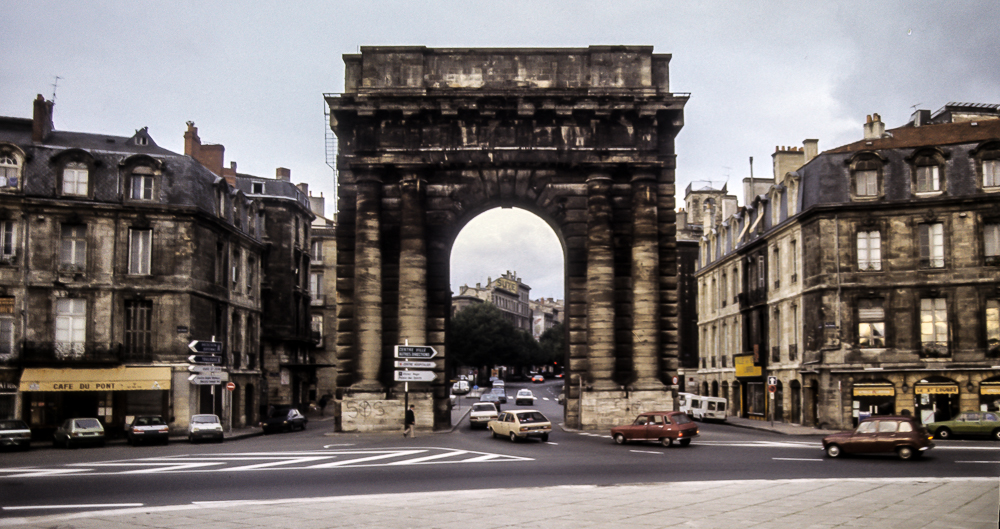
column 702, row 408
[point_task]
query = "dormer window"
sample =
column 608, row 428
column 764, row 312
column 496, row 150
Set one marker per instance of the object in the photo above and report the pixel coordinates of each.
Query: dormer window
column 928, row 176
column 991, row 173
column 74, row 179
column 866, row 177
column 9, row 170
column 141, row 183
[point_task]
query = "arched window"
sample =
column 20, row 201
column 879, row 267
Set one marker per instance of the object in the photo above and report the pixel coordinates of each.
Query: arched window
column 141, row 182
column 75, row 178
column 10, row 168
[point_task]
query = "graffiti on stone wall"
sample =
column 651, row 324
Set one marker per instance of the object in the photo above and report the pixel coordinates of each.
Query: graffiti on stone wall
column 364, row 410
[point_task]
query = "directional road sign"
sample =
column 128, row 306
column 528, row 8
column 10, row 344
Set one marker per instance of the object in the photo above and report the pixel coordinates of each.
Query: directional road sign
column 205, row 380
column 415, row 351
column 199, row 346
column 205, row 359
column 204, row 368
column 412, row 364
column 414, row 376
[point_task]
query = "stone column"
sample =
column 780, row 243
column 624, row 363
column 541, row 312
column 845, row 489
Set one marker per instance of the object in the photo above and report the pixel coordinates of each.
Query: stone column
column 368, row 281
column 600, row 284
column 412, row 263
column 645, row 267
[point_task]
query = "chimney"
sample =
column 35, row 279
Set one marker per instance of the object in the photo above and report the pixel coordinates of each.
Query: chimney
column 682, row 219
column 211, row 156
column 192, row 143
column 811, row 149
column 41, row 123
column 874, row 128
column 920, row 117
column 317, row 205
column 304, row 187
column 284, row 174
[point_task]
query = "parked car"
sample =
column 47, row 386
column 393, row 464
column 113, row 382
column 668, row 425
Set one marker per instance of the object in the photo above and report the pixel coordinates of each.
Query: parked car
column 664, row 427
column 702, row 408
column 881, row 434
column 500, row 392
column 524, row 398
column 284, row 419
column 482, row 413
column 15, row 433
column 537, row 379
column 521, row 424
column 77, row 432
column 149, row 428
column 205, row 426
column 968, row 424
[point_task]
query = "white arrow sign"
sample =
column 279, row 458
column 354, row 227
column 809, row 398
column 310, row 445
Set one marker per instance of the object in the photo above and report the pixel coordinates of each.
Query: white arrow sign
column 205, row 380
column 410, row 364
column 414, row 376
column 204, row 368
column 424, row 352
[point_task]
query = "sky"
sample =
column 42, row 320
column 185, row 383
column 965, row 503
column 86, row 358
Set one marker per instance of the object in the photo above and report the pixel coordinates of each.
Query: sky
column 252, row 75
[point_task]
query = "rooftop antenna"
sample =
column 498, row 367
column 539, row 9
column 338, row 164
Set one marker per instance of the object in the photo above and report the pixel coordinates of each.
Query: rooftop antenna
column 914, row 107
column 753, row 192
column 54, row 86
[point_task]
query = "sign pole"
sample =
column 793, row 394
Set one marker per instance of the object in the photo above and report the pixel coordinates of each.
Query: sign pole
column 406, row 391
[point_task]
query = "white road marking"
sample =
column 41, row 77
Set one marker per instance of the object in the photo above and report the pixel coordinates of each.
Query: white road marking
column 980, row 462
column 340, row 444
column 646, row 452
column 795, row 459
column 81, row 506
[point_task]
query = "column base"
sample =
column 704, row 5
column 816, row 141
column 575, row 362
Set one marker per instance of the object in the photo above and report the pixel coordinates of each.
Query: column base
column 372, row 412
column 604, row 409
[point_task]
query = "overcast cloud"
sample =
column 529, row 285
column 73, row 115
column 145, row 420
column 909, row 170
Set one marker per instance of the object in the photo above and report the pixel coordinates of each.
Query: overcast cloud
column 760, row 74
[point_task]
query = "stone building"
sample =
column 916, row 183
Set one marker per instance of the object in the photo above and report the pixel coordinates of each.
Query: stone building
column 545, row 314
column 287, row 348
column 323, row 299
column 509, row 295
column 868, row 276
column 117, row 253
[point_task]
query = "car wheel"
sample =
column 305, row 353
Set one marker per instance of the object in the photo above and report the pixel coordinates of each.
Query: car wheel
column 55, row 442
column 494, row 433
column 666, row 441
column 191, row 439
column 833, row 451
column 303, row 426
column 513, row 437
column 995, row 435
column 685, row 442
column 943, row 433
column 545, row 438
column 620, row 438
column 904, row 452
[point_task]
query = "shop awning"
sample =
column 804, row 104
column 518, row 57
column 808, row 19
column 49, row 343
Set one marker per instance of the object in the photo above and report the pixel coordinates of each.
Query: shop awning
column 112, row 379
column 989, row 388
column 882, row 390
column 936, row 389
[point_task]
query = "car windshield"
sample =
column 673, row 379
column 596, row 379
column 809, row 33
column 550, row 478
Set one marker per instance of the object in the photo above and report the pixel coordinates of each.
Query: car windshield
column 204, row 419
column 13, row 425
column 148, row 421
column 524, row 393
column 87, row 423
column 530, row 416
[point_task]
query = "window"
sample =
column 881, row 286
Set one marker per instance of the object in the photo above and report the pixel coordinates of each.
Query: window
column 932, row 245
column 73, row 250
column 258, row 188
column 776, row 267
column 316, row 249
column 871, row 324
column 316, row 285
column 142, row 183
column 6, row 326
column 317, row 328
column 75, row 179
column 251, row 265
column 8, row 240
column 993, row 327
column 71, row 327
column 991, row 173
column 793, row 260
column 138, row 328
column 928, row 178
column 869, row 250
column 220, row 263
column 725, row 289
column 140, row 243
column 991, row 243
column 237, row 255
column 8, row 171
column 866, row 183
column 934, row 325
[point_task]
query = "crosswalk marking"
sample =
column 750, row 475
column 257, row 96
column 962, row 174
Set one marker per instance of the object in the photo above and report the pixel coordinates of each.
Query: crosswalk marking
column 264, row 461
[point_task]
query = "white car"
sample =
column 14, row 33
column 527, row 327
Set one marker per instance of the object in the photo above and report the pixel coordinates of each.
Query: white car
column 482, row 413
column 521, row 424
column 205, row 426
column 524, row 398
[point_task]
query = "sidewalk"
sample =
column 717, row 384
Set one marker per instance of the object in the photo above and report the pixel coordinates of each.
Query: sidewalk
column 808, row 503
column 778, row 427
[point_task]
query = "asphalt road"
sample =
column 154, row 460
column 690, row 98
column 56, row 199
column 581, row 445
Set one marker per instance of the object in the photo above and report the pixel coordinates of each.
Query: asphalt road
column 312, row 463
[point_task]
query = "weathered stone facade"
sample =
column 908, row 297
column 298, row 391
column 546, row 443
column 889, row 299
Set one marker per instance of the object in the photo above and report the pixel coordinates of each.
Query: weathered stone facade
column 584, row 138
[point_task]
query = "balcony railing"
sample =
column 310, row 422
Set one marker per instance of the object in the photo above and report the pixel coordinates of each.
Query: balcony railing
column 71, row 353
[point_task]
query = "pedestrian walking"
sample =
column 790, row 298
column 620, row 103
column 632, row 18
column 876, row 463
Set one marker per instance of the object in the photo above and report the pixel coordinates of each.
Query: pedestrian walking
column 409, row 422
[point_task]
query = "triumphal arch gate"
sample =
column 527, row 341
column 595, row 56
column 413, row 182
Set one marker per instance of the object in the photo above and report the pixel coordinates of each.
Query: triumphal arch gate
column 583, row 137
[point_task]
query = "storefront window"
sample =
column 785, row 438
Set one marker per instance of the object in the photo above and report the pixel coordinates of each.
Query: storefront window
column 756, row 398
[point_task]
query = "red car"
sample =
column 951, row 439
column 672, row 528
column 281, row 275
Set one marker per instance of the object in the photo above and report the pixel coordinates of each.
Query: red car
column 664, row 427
column 881, row 434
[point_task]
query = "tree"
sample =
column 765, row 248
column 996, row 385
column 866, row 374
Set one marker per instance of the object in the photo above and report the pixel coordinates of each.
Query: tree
column 480, row 336
column 552, row 344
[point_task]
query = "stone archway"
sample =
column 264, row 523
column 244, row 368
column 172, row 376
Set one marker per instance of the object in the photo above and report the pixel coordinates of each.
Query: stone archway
column 583, row 138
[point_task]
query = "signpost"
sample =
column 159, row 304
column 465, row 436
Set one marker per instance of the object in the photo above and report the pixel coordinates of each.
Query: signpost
column 409, row 364
column 205, row 365
column 205, row 359
column 204, row 368
column 772, row 387
column 415, row 351
column 231, row 386
column 418, row 352
column 414, row 376
column 199, row 346
column 205, row 380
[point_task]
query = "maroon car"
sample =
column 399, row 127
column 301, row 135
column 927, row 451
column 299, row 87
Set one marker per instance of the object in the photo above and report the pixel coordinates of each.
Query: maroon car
column 664, row 427
column 882, row 434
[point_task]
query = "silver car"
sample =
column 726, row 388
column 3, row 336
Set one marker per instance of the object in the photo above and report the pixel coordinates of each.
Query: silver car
column 77, row 432
column 15, row 433
column 203, row 427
